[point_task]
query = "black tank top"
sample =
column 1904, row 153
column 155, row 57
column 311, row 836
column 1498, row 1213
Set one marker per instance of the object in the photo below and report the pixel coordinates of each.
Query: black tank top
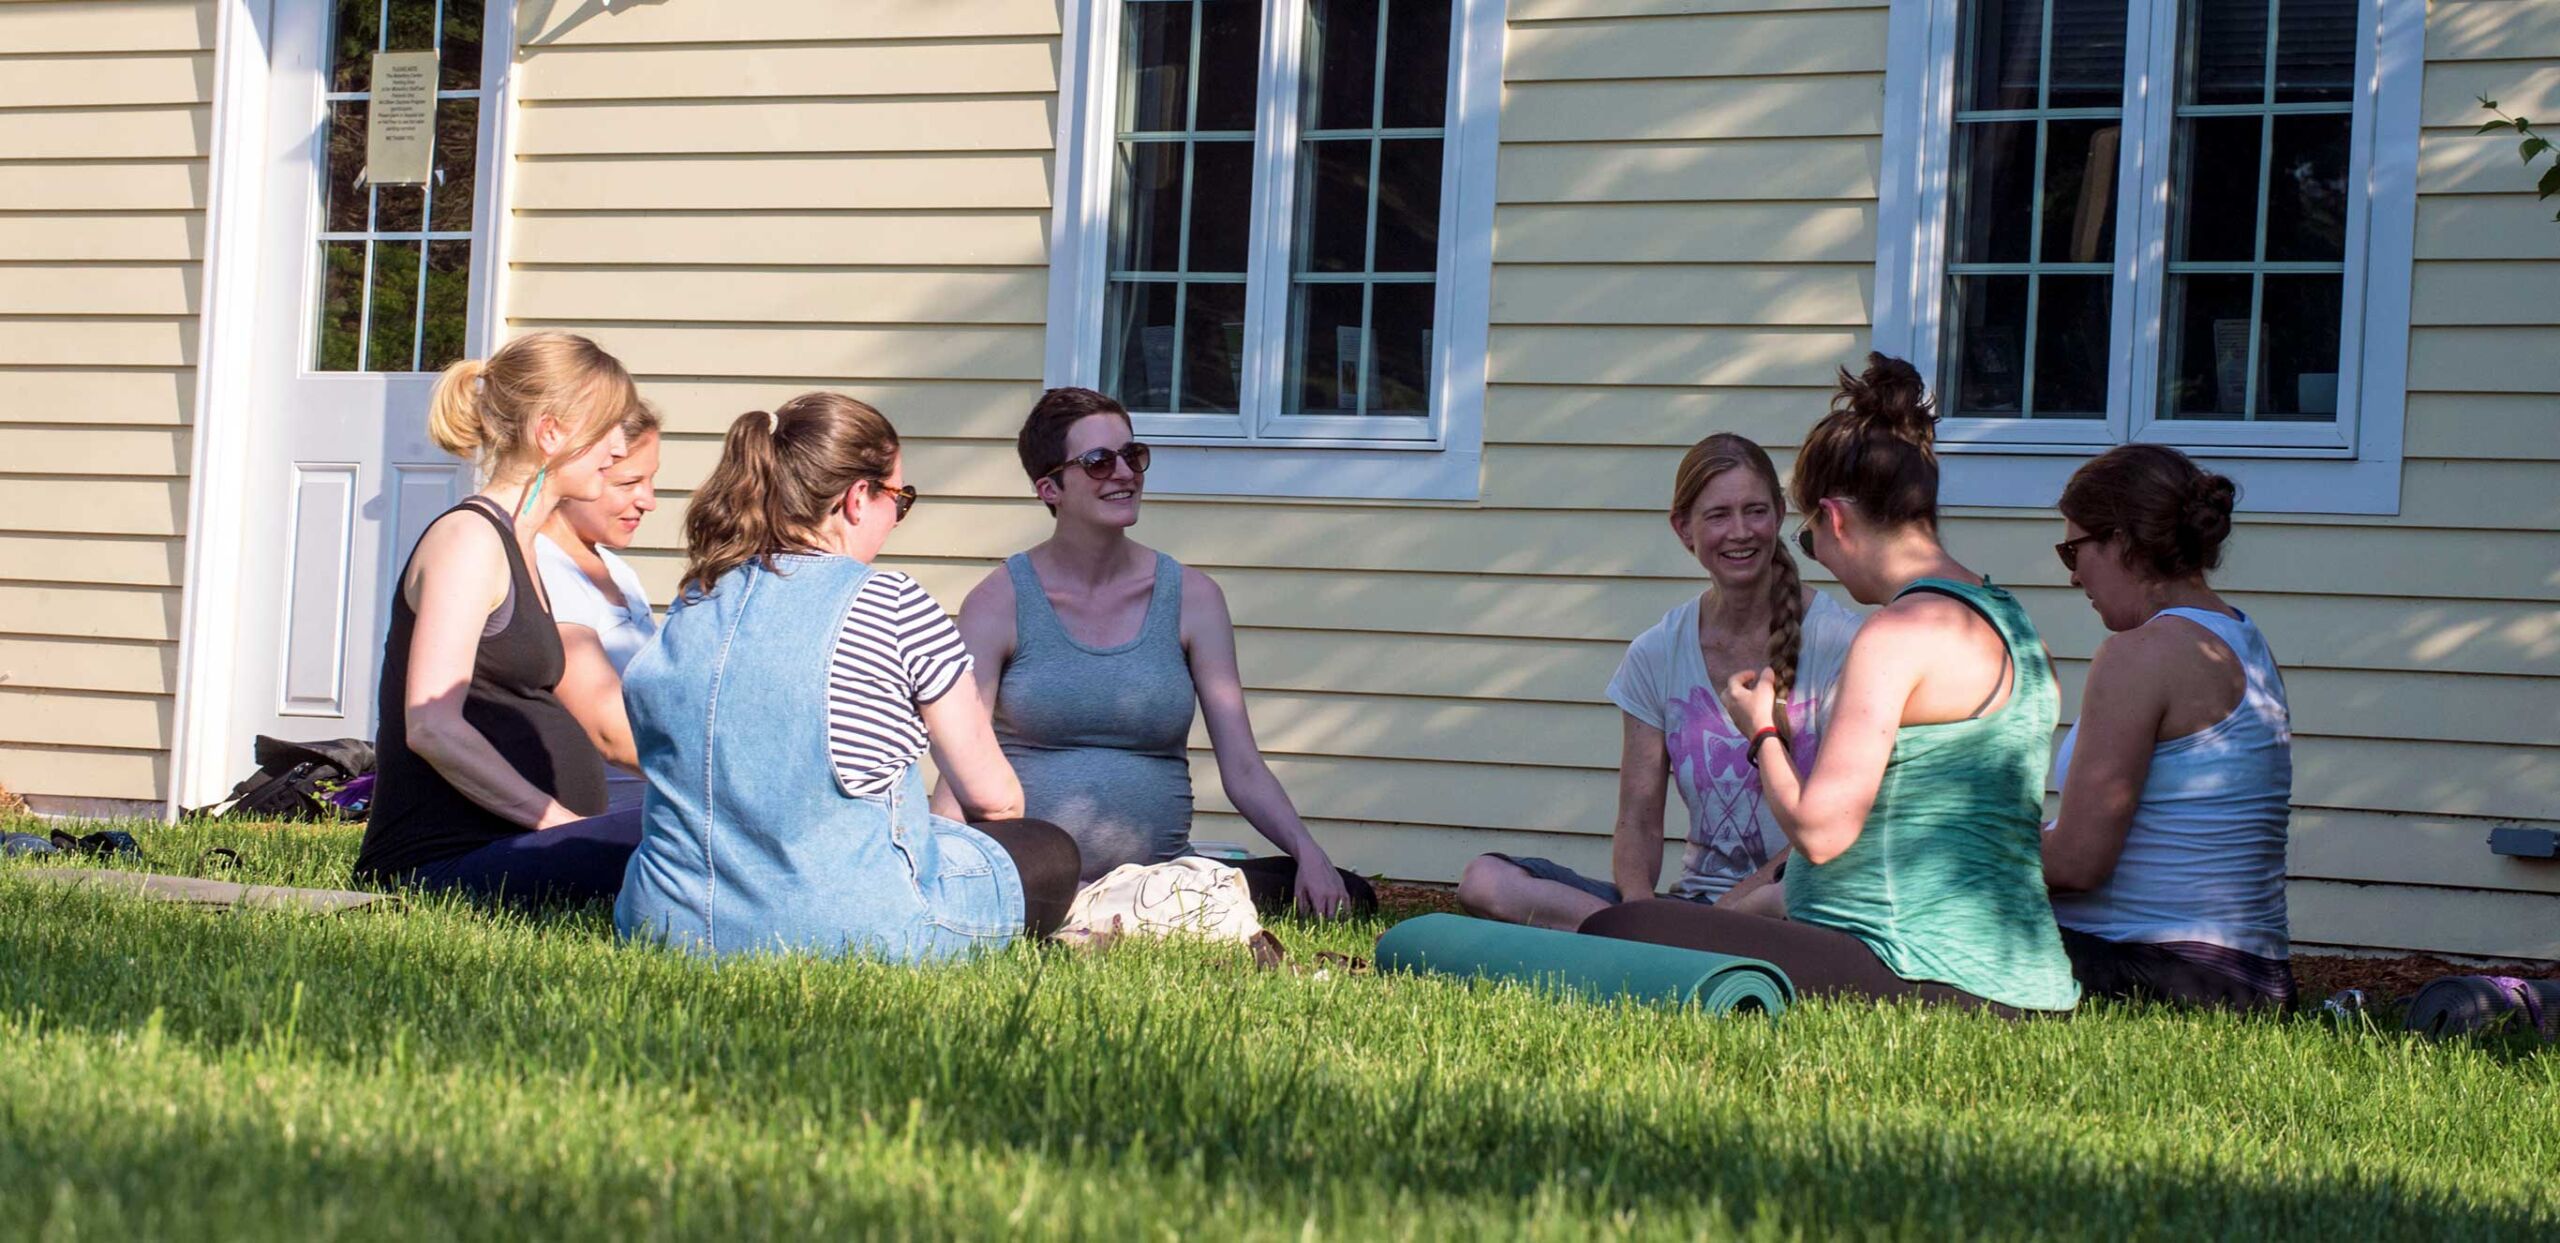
column 418, row 817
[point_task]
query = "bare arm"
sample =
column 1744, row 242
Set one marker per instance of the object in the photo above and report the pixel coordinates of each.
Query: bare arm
column 986, row 629
column 1823, row 812
column 592, row 691
column 461, row 578
column 2121, row 709
column 1635, row 846
column 975, row 775
column 1209, row 638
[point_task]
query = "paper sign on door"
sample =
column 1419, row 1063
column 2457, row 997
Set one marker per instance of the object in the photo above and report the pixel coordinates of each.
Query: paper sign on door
column 400, row 124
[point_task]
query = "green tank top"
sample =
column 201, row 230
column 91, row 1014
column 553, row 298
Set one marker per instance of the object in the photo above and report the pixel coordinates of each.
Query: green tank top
column 1946, row 881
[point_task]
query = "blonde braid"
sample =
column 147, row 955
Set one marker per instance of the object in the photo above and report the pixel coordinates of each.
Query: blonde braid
column 1786, row 623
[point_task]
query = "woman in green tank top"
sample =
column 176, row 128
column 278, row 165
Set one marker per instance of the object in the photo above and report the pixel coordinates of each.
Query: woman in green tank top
column 1917, row 868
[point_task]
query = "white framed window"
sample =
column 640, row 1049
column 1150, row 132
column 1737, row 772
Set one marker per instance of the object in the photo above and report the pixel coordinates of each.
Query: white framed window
column 1273, row 237
column 2178, row 221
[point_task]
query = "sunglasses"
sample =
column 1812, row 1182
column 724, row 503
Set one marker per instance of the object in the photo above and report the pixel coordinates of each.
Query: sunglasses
column 904, row 496
column 2069, row 551
column 1096, row 463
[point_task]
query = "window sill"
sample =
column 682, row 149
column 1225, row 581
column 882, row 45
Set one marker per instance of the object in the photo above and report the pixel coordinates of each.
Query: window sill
column 1294, row 472
column 2008, row 478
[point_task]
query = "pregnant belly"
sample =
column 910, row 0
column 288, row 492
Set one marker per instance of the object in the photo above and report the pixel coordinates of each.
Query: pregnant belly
column 1120, row 806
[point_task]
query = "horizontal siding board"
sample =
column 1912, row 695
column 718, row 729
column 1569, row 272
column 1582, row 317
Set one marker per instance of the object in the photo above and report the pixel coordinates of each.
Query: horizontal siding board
column 910, row 181
column 149, row 451
column 976, row 67
column 1004, row 239
column 2409, row 850
column 828, row 355
column 2487, row 226
column 89, row 611
column 1540, row 415
column 799, row 297
column 118, row 80
column 2435, row 921
column 1794, row 295
column 779, row 22
column 1005, row 124
column 2491, row 30
column 2465, row 162
column 75, row 26
column 2451, row 95
column 2516, row 427
column 54, row 237
column 84, row 772
column 163, row 185
column 2486, row 359
column 168, row 341
column 84, row 719
column 1712, row 171
column 2445, row 294
column 1522, row 12
column 1684, row 233
column 88, row 665
column 111, row 134
column 131, row 560
column 990, row 409
column 1849, row 105
column 1644, row 355
column 1713, row 45
column 164, row 395
column 61, row 505
column 164, row 289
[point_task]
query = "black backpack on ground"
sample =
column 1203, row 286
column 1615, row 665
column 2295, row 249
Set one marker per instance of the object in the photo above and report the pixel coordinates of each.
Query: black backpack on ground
column 293, row 782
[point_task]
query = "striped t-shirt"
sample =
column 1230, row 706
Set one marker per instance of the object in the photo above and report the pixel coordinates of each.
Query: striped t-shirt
column 896, row 652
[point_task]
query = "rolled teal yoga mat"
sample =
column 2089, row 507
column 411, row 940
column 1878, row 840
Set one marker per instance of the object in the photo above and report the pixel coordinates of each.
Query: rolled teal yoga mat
column 1600, row 968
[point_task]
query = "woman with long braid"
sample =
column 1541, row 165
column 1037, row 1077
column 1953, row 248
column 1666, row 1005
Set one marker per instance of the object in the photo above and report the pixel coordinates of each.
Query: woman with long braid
column 1725, row 508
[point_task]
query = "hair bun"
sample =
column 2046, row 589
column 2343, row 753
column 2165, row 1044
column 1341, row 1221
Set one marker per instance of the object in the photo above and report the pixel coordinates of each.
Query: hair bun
column 1890, row 394
column 2208, row 507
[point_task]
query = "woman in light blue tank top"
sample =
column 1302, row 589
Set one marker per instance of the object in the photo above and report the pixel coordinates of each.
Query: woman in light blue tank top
column 2168, row 858
column 1093, row 651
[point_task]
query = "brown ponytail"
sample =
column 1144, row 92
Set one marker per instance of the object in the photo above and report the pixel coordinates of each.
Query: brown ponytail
column 1877, row 447
column 779, row 476
column 485, row 410
column 1714, row 456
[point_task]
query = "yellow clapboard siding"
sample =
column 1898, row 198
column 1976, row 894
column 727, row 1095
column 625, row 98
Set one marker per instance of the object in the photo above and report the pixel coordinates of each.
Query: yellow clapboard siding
column 1013, row 123
column 977, row 67
column 119, row 80
column 982, row 408
column 834, row 353
column 1793, row 295
column 135, row 396
column 783, row 296
column 97, row 289
column 89, row 611
column 937, row 182
column 790, row 21
column 2438, row 921
column 1687, row 172
column 1522, row 12
column 2450, row 97
column 114, row 134
column 1429, row 853
column 56, row 238
column 2485, row 359
column 2333, row 703
column 149, row 451
column 2408, row 850
column 1685, row 233
column 1667, row 415
column 164, row 342
column 81, row 772
column 132, row 560
column 1004, row 239
column 2490, row 30
column 129, row 26
column 1820, row 107
column 1700, row 356
column 84, row 719
column 2462, row 162
column 88, row 665
column 95, row 506
column 2458, row 294
column 1698, row 46
column 2503, row 427
column 165, row 185
column 2487, row 226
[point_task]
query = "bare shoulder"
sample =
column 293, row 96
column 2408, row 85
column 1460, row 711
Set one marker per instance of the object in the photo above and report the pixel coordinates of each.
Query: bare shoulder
column 994, row 593
column 1198, row 587
column 2162, row 646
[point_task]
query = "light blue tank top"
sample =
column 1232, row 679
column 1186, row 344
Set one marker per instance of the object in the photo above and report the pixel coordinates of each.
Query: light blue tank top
column 2204, row 857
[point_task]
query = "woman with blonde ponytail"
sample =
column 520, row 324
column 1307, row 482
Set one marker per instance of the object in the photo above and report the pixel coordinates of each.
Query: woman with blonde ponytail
column 781, row 714
column 1725, row 508
column 488, row 784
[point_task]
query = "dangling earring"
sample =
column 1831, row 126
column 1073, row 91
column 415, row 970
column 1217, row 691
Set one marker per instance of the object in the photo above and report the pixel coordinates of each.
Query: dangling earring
column 532, row 492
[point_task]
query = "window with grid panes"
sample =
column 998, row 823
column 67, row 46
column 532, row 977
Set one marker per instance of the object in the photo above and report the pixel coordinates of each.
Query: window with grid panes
column 1275, row 220
column 2156, row 220
column 395, row 270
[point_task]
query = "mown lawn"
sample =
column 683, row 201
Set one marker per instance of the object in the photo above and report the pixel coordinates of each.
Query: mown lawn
column 442, row 1072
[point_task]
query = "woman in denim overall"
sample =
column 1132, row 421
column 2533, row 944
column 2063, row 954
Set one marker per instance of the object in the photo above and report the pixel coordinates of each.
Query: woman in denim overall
column 785, row 811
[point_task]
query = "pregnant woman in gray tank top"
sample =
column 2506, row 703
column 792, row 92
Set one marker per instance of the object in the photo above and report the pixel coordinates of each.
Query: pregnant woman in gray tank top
column 1093, row 651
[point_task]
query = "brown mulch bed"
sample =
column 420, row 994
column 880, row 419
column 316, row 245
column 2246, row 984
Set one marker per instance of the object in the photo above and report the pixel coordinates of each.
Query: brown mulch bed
column 10, row 803
column 2319, row 975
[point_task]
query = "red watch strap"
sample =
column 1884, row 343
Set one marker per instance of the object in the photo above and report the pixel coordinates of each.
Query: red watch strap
column 1758, row 736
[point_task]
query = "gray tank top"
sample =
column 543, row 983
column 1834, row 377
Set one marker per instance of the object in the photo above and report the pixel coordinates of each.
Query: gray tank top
column 1101, row 736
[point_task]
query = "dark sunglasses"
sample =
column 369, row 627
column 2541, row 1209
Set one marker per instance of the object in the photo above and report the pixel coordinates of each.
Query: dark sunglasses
column 1097, row 462
column 1804, row 541
column 904, row 496
column 2069, row 551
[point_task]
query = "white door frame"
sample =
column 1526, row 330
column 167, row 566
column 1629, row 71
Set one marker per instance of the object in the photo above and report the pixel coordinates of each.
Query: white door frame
column 204, row 758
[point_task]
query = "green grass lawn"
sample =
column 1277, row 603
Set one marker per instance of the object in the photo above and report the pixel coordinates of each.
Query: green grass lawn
column 442, row 1072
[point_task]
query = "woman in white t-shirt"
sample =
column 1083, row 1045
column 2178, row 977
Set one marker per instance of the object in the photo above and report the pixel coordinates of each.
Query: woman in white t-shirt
column 602, row 610
column 1726, row 505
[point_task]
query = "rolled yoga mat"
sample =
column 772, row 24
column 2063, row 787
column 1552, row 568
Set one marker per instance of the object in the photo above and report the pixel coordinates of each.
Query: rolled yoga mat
column 1599, row 968
column 2460, row 1004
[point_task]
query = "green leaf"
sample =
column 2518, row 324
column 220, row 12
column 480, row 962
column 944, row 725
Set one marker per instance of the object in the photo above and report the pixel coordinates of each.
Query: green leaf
column 2550, row 183
column 2532, row 147
column 2490, row 127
